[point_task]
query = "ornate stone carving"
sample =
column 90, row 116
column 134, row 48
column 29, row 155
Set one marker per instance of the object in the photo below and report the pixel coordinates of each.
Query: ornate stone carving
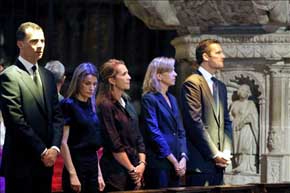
column 230, row 78
column 274, row 171
column 255, row 37
column 203, row 15
column 274, row 140
column 270, row 46
column 245, row 123
column 155, row 14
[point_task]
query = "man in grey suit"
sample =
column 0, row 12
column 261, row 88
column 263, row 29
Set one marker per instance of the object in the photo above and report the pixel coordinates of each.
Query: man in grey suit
column 32, row 117
column 206, row 118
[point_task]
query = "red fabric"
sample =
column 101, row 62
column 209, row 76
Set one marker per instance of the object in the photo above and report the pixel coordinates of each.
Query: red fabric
column 57, row 172
column 57, row 175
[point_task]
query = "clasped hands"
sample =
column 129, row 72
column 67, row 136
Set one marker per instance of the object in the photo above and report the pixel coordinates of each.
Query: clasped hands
column 180, row 167
column 48, row 158
column 137, row 175
column 223, row 159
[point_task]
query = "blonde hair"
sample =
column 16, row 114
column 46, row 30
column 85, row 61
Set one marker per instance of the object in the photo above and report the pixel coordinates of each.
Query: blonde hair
column 157, row 66
column 21, row 31
column 107, row 71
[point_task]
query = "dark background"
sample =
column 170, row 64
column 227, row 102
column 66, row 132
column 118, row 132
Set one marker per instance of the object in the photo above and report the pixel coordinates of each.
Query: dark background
column 78, row 31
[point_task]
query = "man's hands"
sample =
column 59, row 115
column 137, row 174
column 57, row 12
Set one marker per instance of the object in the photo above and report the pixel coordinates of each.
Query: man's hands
column 223, row 159
column 49, row 157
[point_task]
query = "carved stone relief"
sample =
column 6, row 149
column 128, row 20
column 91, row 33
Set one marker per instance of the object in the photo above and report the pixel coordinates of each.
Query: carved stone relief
column 254, row 35
column 204, row 15
column 246, row 124
column 275, row 46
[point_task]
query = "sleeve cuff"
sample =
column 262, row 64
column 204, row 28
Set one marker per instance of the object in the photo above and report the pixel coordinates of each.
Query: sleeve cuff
column 185, row 156
column 56, row 148
column 219, row 154
column 43, row 153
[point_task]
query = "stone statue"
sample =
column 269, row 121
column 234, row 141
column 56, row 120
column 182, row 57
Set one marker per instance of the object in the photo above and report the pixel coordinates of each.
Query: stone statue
column 245, row 132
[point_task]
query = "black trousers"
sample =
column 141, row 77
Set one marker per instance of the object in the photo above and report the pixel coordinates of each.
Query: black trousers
column 38, row 181
column 160, row 178
column 86, row 165
column 205, row 179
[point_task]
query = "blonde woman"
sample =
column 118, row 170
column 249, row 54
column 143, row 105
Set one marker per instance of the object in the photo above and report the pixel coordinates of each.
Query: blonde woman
column 163, row 131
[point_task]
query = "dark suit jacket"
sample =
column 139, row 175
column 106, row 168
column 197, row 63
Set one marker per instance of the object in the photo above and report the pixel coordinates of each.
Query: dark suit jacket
column 208, row 129
column 32, row 123
column 163, row 130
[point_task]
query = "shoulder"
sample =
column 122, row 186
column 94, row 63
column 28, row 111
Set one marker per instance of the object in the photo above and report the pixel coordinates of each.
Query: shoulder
column 106, row 104
column 9, row 70
column 67, row 106
column 46, row 72
column 10, row 73
column 150, row 97
column 193, row 78
column 67, row 101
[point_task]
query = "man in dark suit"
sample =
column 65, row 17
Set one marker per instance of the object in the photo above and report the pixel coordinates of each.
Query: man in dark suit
column 33, row 120
column 206, row 118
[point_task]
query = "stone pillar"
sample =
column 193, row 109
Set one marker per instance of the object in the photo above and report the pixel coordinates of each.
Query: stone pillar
column 275, row 163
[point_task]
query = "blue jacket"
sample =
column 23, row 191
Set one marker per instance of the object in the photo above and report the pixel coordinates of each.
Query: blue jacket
column 162, row 129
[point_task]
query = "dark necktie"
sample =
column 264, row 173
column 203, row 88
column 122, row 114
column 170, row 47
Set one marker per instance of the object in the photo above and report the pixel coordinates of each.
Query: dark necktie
column 215, row 91
column 37, row 81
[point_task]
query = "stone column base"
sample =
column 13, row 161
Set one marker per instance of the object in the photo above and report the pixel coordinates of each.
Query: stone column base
column 274, row 168
column 240, row 179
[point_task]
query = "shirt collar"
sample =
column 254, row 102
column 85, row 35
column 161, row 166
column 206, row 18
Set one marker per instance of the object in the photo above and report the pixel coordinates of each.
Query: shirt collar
column 27, row 64
column 205, row 74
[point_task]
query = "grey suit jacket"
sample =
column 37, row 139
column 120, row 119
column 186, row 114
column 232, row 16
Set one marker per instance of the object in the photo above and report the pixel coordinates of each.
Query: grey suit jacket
column 33, row 122
column 208, row 129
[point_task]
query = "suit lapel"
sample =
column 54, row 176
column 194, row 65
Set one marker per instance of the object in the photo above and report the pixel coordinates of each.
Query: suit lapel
column 163, row 102
column 45, row 88
column 29, row 83
column 209, row 97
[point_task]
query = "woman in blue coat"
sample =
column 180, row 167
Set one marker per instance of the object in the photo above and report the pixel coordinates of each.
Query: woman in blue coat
column 163, row 130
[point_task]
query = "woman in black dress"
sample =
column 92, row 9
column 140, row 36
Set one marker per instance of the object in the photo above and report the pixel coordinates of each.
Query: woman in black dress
column 82, row 134
column 123, row 161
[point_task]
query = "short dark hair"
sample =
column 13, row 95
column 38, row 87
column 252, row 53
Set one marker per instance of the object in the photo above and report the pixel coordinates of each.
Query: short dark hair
column 21, row 34
column 203, row 47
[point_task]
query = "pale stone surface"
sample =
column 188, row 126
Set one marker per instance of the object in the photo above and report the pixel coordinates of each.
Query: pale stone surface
column 275, row 168
column 202, row 15
column 274, row 45
column 241, row 178
column 245, row 132
column 255, row 37
column 155, row 14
